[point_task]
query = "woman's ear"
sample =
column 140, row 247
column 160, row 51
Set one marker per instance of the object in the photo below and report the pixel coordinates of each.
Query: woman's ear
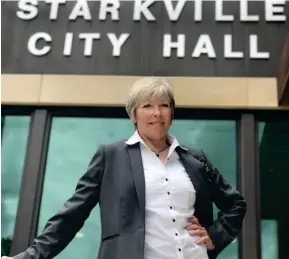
column 133, row 119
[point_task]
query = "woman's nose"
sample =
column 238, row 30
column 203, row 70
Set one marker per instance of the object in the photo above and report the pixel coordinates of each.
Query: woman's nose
column 156, row 110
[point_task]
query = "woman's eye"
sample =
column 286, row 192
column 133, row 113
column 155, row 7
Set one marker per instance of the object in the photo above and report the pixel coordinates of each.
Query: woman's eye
column 149, row 105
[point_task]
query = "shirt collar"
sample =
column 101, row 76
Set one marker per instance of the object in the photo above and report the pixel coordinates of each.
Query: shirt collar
column 136, row 138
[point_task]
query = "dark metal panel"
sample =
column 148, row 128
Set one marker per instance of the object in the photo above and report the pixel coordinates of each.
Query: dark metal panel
column 142, row 53
column 119, row 112
column 32, row 181
column 17, row 110
column 249, row 187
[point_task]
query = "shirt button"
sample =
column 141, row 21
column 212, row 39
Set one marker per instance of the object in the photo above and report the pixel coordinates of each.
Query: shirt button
column 167, row 179
column 180, row 249
column 171, row 207
column 169, row 193
column 176, row 234
column 174, row 220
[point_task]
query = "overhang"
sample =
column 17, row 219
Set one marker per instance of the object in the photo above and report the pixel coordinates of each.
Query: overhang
column 283, row 76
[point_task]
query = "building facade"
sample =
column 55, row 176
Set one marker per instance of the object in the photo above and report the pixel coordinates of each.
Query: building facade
column 66, row 69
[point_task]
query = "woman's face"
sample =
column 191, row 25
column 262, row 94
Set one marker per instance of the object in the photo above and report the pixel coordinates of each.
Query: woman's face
column 153, row 118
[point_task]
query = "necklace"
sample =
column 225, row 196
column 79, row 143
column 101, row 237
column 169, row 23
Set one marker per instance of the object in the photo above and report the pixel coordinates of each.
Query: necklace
column 159, row 151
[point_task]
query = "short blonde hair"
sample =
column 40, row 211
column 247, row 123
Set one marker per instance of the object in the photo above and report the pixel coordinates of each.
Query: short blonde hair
column 149, row 88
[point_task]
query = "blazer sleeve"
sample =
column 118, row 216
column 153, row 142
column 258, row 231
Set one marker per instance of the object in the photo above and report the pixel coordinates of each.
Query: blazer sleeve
column 232, row 208
column 62, row 227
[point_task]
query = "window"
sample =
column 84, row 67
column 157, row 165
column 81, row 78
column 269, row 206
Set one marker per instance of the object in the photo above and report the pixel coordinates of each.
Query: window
column 73, row 142
column 15, row 131
column 274, row 178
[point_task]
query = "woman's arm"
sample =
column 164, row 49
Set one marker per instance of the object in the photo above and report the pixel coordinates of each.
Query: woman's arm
column 62, row 227
column 232, row 208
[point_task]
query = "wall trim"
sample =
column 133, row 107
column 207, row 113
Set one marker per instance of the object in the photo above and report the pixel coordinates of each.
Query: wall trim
column 92, row 90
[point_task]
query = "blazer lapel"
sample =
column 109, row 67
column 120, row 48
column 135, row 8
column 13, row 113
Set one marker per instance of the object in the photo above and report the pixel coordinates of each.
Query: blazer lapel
column 192, row 166
column 138, row 174
column 194, row 169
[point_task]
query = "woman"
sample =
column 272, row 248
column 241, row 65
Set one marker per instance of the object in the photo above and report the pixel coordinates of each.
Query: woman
column 155, row 196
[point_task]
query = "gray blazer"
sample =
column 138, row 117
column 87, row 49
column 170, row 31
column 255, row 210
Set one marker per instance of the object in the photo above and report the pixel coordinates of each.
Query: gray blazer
column 115, row 179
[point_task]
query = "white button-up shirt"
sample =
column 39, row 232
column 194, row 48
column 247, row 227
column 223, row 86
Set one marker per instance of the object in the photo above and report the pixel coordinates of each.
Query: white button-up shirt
column 170, row 199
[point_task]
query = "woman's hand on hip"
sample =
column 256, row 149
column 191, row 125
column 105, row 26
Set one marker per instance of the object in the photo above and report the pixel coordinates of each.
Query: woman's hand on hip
column 195, row 229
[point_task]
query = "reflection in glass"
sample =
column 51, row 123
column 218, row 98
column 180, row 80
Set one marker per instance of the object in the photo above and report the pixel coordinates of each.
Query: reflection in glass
column 14, row 139
column 269, row 231
column 73, row 142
